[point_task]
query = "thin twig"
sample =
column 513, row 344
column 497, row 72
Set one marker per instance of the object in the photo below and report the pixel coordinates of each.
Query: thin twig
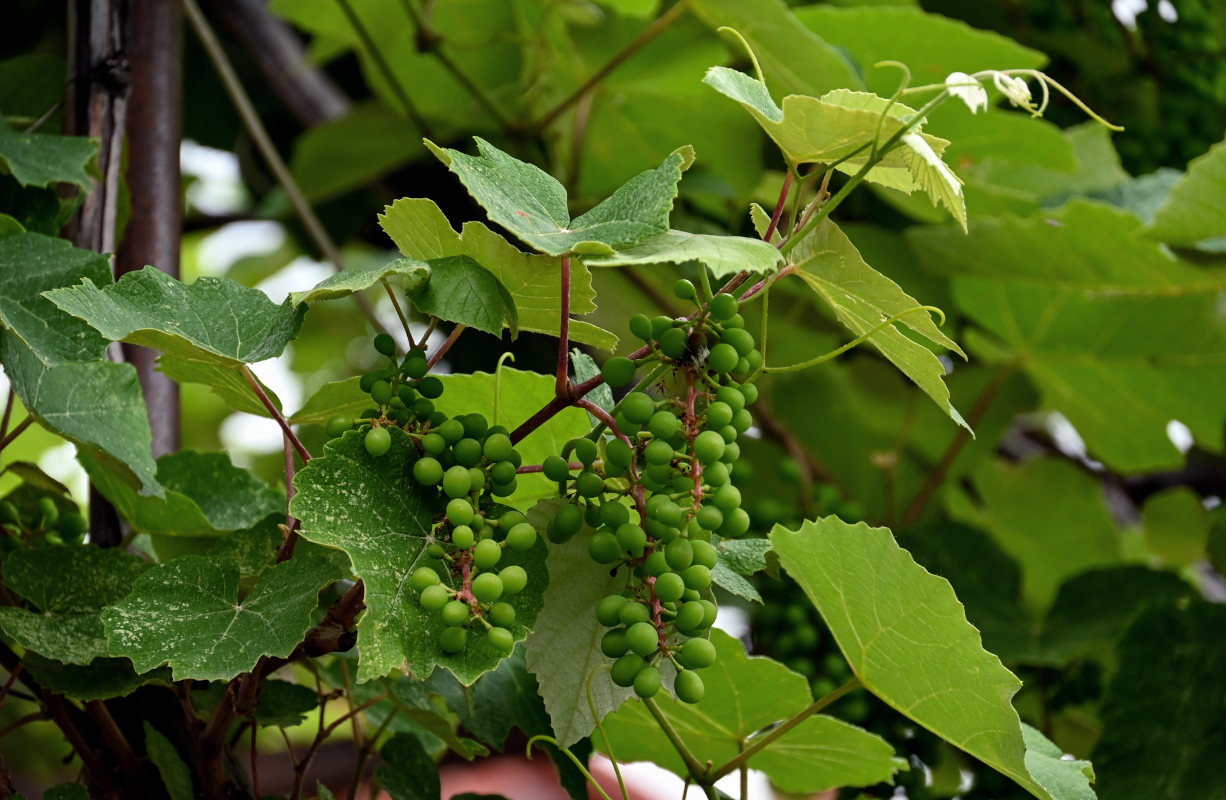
column 115, row 741
column 384, row 68
column 33, row 716
column 783, row 198
column 275, row 412
column 8, row 412
column 404, row 321
column 8, row 684
column 305, row 762
column 445, row 346
column 17, row 431
column 286, row 551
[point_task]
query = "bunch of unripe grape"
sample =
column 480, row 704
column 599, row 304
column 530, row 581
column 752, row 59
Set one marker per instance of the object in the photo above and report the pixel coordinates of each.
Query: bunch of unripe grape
column 44, row 524
column 657, row 494
column 464, row 463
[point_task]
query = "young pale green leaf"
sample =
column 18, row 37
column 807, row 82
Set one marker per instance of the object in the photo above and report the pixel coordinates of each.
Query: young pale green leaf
column 734, row 583
column 1195, row 211
column 335, row 398
column 69, row 586
column 407, row 272
column 420, row 230
column 1064, row 778
column 186, row 613
column 1118, row 336
column 724, row 256
column 508, row 398
column 795, row 59
column 43, row 159
column 373, row 510
column 206, row 495
column 906, row 638
column 532, row 204
column 102, row 679
column 1159, row 744
column 406, row 771
column 1176, row 526
column 563, row 651
column 213, row 319
column 461, row 290
column 744, row 695
column 176, row 776
column 863, row 299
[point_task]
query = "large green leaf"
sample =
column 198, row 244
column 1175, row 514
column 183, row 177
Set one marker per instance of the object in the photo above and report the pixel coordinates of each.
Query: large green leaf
column 420, row 230
column 176, row 775
column 532, row 204
column 1176, row 526
column 745, row 695
column 41, row 159
column 1063, row 776
column 795, row 59
column 335, row 398
column 461, row 290
column 213, row 319
column 103, row 678
column 519, row 395
column 905, row 636
column 723, row 255
column 1117, row 335
column 408, row 272
column 187, row 613
column 69, row 586
column 328, row 161
column 406, row 771
column 863, row 299
column 1196, row 208
column 206, row 495
column 224, row 382
column 375, row 512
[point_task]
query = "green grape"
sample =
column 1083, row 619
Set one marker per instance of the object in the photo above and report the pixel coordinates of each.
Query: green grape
column 589, row 484
column 732, row 452
column 614, row 514
column 658, row 452
column 633, row 612
column 669, row 587
column 728, row 434
column 674, row 342
column 618, row 371
column 626, row 668
column 521, row 537
column 422, row 408
column 637, row 407
column 603, row 548
column 556, row 468
column 591, row 515
column 735, row 321
column 709, row 517
column 498, row 447
column 719, row 414
column 435, row 550
column 664, row 425
column 501, row 614
column 407, row 394
column 476, row 478
column 607, row 609
column 655, row 565
column 750, row 391
column 696, row 576
column 9, row 514
column 460, row 511
column 727, row 498
column 731, row 396
column 467, row 451
column 430, row 387
column 565, row 523
column 452, row 431
column 642, row 638
column 381, row 392
column 632, row 540
column 377, row 442
column 453, row 639
column 640, row 326
column 510, row 519
column 659, row 325
column 647, row 682
column 455, row 612
column 463, row 537
column 487, row 587
column 687, row 684
column 722, row 358
column 740, row 339
column 679, row 553
column 708, row 446
column 501, row 639
column 514, row 579
column 585, row 451
column 51, row 537
column 503, row 472
column 415, row 364
column 487, row 553
column 368, row 380
column 689, row 616
column 433, row 444
column 433, row 598
column 723, row 306
column 618, row 453
column 338, row 425
column 736, row 523
column 711, row 612
column 742, row 420
column 704, row 553
column 72, row 526
column 423, row 577
column 684, row 290
column 696, row 654
column 457, row 482
column 613, row 643
column 476, row 426
column 670, row 514
column 427, row 471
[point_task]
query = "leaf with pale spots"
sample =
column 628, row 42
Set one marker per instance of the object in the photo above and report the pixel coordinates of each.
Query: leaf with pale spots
column 373, row 510
column 187, row 613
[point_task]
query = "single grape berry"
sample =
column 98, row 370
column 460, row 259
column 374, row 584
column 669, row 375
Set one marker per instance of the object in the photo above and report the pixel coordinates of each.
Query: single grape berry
column 72, row 526
column 487, row 553
column 640, row 326
column 378, row 441
column 618, row 371
column 642, row 638
column 697, row 577
column 566, row 522
column 585, row 451
column 501, row 639
column 687, row 684
column 487, row 587
column 740, row 339
column 603, row 548
column 696, row 654
column 663, row 425
column 457, row 482
column 632, row 540
column 613, row 643
column 453, row 639
column 514, row 579
column 618, row 453
column 647, row 682
column 658, row 452
column 637, row 407
column 589, row 484
column 433, row 598
column 674, row 342
column 722, row 358
column 521, row 537
column 501, row 614
column 633, row 612
column 626, row 668
column 709, row 446
column 427, row 471
column 430, row 387
column 338, row 425
column 669, row 587
column 463, row 537
column 689, row 616
column 415, row 364
column 385, row 344
column 460, row 512
column 455, row 612
column 423, row 577
column 381, row 392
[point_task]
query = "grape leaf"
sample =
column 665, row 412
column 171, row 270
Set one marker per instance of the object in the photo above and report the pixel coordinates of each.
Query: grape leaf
column 69, row 586
column 723, row 255
column 335, row 398
column 1176, row 526
column 461, row 290
column 206, row 495
column 420, row 231
column 863, row 299
column 283, row 704
column 375, row 512
column 1064, row 778
column 884, row 611
column 406, row 771
column 409, row 273
column 41, row 159
column 229, row 385
column 519, row 394
column 187, row 613
column 730, row 581
column 532, row 204
column 101, row 679
column 176, row 776
column 213, row 319
column 1195, row 210
column 745, row 695
column 328, row 161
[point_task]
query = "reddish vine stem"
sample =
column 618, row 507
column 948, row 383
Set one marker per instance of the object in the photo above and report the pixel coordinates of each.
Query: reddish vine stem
column 541, row 467
column 305, row 762
column 689, row 424
column 276, row 413
column 33, row 716
column 255, row 764
column 286, row 550
column 760, row 285
column 116, row 742
column 640, row 502
column 445, row 346
column 8, row 412
column 57, row 709
column 8, row 684
column 404, row 321
column 783, row 198
column 13, row 434
column 562, row 385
